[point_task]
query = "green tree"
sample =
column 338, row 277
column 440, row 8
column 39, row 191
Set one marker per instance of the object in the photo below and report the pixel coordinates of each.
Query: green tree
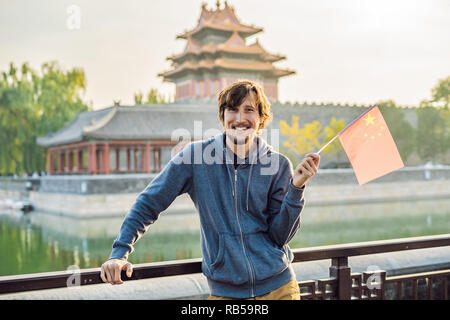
column 441, row 99
column 152, row 97
column 441, row 93
column 33, row 105
column 433, row 121
column 431, row 136
column 139, row 98
column 401, row 130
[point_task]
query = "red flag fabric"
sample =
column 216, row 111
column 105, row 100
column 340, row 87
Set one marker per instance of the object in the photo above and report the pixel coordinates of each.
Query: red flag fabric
column 370, row 147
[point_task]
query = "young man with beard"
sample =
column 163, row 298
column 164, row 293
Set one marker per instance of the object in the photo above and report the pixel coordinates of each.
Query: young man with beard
column 249, row 200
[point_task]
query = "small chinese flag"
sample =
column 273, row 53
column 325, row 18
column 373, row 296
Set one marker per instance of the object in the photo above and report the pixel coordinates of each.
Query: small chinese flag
column 370, row 147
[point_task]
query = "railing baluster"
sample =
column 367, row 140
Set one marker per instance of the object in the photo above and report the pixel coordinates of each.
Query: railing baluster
column 430, row 288
column 341, row 271
column 357, row 286
column 444, row 287
column 311, row 286
column 382, row 287
column 399, row 290
column 415, row 289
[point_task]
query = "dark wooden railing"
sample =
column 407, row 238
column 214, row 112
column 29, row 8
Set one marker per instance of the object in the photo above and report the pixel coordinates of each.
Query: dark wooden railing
column 342, row 283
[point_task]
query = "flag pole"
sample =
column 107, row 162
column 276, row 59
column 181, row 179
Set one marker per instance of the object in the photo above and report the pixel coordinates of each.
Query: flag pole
column 327, row 144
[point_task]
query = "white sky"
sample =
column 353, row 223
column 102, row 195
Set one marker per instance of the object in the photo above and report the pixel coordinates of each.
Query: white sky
column 355, row 51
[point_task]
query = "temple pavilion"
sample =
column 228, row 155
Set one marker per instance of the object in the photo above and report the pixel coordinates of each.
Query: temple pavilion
column 126, row 139
column 140, row 138
column 217, row 54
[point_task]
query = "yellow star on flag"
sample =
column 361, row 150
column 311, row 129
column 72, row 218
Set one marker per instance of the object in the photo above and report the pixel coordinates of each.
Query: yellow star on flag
column 369, row 119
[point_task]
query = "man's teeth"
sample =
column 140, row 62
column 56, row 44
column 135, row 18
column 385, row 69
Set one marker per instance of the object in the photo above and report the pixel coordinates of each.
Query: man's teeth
column 240, row 128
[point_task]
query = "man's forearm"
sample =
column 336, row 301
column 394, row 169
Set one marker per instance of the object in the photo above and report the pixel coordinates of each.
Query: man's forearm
column 285, row 224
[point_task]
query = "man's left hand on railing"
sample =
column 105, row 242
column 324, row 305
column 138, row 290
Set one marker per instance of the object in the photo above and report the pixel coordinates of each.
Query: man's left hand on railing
column 111, row 269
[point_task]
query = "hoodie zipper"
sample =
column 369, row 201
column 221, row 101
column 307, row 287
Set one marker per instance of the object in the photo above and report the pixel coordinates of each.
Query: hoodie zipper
column 242, row 236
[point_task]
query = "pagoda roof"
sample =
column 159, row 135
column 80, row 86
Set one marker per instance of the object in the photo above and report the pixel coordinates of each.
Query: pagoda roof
column 226, row 63
column 235, row 44
column 132, row 123
column 266, row 55
column 220, row 20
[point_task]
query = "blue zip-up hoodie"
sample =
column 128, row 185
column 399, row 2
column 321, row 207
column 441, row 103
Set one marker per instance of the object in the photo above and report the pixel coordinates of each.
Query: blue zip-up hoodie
column 247, row 215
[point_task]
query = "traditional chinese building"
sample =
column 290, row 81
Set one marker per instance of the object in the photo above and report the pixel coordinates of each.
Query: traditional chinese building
column 216, row 55
column 125, row 139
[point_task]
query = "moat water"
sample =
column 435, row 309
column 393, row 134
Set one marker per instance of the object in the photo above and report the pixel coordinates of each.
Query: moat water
column 40, row 242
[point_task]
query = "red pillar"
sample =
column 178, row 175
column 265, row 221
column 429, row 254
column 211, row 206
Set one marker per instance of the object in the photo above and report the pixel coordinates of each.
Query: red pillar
column 135, row 159
column 69, row 156
column 89, row 159
column 98, row 159
column 117, row 159
column 61, row 162
column 58, row 158
column 75, row 155
column 84, row 154
column 146, row 158
column 142, row 169
column 106, row 158
column 100, row 164
column 92, row 159
column 157, row 159
column 51, row 162
column 128, row 160
column 79, row 160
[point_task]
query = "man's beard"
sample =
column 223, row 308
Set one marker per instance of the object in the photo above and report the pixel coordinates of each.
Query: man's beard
column 237, row 141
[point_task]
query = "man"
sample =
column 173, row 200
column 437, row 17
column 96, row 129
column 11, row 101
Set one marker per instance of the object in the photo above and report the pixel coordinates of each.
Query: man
column 248, row 198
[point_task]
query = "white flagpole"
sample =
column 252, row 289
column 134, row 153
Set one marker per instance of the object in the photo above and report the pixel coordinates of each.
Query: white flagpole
column 327, row 144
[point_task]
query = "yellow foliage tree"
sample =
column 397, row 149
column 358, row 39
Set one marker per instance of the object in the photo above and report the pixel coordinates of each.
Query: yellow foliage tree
column 311, row 137
column 331, row 131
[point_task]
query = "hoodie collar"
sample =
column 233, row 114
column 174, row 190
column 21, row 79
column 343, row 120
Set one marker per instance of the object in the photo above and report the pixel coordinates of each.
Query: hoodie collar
column 259, row 149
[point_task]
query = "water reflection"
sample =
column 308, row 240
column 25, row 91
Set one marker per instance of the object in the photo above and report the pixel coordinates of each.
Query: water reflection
column 39, row 242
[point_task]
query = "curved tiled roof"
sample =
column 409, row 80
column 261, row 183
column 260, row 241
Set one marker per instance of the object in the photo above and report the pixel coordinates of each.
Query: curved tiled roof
column 71, row 133
column 222, row 20
column 230, row 64
column 235, row 44
column 134, row 122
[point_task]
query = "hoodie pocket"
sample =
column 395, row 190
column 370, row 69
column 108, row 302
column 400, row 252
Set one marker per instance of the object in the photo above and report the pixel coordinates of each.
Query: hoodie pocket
column 230, row 265
column 267, row 258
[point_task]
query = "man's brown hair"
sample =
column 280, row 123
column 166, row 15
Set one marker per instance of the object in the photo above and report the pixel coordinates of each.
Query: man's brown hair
column 234, row 94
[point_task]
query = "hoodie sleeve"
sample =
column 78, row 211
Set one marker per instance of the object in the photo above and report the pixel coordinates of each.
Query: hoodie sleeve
column 173, row 180
column 285, row 207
